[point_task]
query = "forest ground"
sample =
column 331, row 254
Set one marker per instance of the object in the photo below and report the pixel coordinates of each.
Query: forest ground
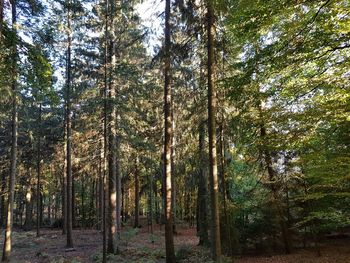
column 137, row 246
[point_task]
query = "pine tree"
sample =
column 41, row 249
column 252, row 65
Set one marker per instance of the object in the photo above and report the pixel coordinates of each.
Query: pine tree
column 12, row 178
column 169, row 239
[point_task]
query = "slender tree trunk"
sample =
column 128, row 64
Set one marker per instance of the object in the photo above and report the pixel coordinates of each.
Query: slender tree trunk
column 112, row 191
column 112, row 228
column 55, row 208
column 173, row 192
column 99, row 189
column 105, row 162
column 64, row 176
column 224, row 190
column 38, row 184
column 123, row 204
column 202, row 192
column 2, row 200
column 20, row 206
column 68, row 138
column 100, row 201
column 126, row 205
column 92, row 203
column 74, row 208
column 1, row 17
column 213, row 178
column 137, row 197
column 151, row 206
column 41, row 209
column 103, row 194
column 49, row 209
column 119, row 188
column 12, row 180
column 82, row 196
column 169, row 238
column 29, row 207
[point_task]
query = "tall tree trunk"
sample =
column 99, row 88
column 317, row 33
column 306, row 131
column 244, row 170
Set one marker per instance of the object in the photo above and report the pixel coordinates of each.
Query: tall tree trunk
column 99, row 187
column 213, row 178
column 112, row 191
column 119, row 187
column 41, row 209
column 202, row 192
column 64, row 175
column 137, row 192
column 111, row 248
column 20, row 206
column 105, row 133
column 2, row 200
column 83, row 202
column 123, row 204
column 173, row 192
column 100, row 202
column 224, row 188
column 29, row 209
column 49, row 209
column 169, row 238
column 92, row 203
column 12, row 180
column 74, row 206
column 38, row 183
column 151, row 206
column 1, row 17
column 68, row 138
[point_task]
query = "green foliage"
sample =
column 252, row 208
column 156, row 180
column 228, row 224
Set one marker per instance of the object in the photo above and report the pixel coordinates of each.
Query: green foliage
column 288, row 64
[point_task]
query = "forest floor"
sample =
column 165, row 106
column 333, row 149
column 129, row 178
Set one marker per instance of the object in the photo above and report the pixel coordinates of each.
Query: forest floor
column 138, row 245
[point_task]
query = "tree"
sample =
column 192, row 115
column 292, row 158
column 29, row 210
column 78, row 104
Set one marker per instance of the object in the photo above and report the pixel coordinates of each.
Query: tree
column 12, row 179
column 112, row 172
column 137, row 194
column 69, row 211
column 202, row 191
column 213, row 166
column 169, row 239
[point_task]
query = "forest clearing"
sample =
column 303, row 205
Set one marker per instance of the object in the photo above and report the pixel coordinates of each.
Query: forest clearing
column 141, row 246
column 175, row 131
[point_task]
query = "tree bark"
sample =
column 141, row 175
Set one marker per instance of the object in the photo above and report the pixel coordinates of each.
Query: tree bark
column 224, row 187
column 151, row 206
column 213, row 178
column 92, row 203
column 74, row 206
column 137, row 197
column 119, row 187
column 38, row 183
column 173, row 192
column 64, row 175
column 12, row 180
column 82, row 196
column 28, row 223
column 112, row 173
column 105, row 134
column 1, row 16
column 2, row 200
column 169, row 238
column 202, row 192
column 68, row 138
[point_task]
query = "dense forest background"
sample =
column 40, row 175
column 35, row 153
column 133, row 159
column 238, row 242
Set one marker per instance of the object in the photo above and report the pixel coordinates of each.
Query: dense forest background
column 233, row 120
